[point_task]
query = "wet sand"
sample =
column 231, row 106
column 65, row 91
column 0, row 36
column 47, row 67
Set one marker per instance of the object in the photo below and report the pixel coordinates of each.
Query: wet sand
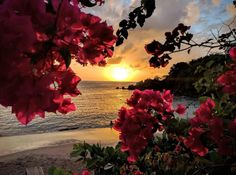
column 48, row 150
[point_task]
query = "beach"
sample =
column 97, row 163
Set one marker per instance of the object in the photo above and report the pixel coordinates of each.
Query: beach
column 48, row 141
column 18, row 154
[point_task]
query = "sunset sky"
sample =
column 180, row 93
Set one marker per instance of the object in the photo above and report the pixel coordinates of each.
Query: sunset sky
column 131, row 58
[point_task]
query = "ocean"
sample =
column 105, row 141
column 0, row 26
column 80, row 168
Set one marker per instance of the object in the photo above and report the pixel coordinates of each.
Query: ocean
column 96, row 107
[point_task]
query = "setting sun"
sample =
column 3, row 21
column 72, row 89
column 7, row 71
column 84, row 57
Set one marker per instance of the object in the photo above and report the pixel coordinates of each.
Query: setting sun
column 120, row 73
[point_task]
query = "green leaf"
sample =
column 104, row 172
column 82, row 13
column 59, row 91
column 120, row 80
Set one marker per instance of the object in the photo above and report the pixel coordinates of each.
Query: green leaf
column 91, row 163
column 57, row 171
column 51, row 170
column 203, row 99
column 215, row 157
column 65, row 53
column 210, row 63
column 108, row 166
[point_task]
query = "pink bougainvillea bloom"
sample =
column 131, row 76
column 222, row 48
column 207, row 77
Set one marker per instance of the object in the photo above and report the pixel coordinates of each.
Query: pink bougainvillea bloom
column 136, row 127
column 33, row 89
column 181, row 109
column 85, row 172
column 228, row 81
column 194, row 143
column 203, row 113
column 137, row 124
column 178, row 148
column 137, row 173
column 17, row 39
column 213, row 129
column 232, row 53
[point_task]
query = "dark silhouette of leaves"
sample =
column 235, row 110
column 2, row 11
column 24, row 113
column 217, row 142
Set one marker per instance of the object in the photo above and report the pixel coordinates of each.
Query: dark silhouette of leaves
column 119, row 41
column 137, row 16
column 141, row 20
column 65, row 53
column 149, row 7
column 87, row 3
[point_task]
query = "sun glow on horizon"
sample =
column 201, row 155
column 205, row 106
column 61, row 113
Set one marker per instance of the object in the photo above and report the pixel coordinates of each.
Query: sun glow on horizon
column 120, row 73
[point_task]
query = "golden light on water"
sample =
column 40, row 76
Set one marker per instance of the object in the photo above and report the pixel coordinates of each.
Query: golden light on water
column 119, row 73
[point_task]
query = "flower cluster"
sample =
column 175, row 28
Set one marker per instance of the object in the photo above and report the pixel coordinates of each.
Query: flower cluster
column 138, row 123
column 207, row 128
column 37, row 45
column 228, row 79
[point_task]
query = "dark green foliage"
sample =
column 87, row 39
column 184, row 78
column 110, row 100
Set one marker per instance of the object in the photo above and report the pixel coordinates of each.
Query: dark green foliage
column 103, row 160
column 194, row 79
column 57, row 171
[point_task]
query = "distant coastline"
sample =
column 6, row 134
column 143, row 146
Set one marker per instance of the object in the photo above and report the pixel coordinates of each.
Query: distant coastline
column 183, row 77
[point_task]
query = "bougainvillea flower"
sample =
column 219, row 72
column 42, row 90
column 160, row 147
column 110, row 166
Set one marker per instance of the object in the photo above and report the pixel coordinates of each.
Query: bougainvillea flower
column 181, row 109
column 136, row 128
column 228, row 81
column 137, row 124
column 232, row 53
column 37, row 46
column 205, row 125
column 84, row 172
column 194, row 143
column 137, row 173
column 203, row 113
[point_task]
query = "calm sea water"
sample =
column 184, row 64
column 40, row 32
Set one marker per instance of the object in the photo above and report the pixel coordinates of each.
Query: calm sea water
column 97, row 106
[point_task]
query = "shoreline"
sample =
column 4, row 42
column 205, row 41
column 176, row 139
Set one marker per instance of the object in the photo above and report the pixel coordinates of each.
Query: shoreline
column 35, row 150
column 14, row 144
column 45, row 157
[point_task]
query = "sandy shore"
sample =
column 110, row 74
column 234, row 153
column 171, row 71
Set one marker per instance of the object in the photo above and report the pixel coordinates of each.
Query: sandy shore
column 47, row 153
column 58, row 156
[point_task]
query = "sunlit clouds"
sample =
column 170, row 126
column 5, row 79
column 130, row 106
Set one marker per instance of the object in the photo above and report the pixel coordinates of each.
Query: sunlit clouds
column 193, row 14
column 202, row 15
